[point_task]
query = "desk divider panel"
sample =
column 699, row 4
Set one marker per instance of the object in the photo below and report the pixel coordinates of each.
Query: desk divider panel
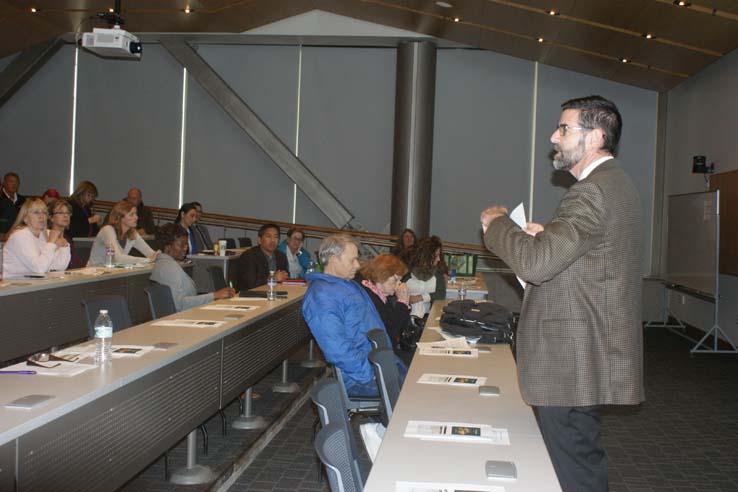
column 106, row 442
column 7, row 466
column 253, row 352
column 138, row 303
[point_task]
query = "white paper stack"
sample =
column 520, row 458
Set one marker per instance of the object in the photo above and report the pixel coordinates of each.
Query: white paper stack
column 445, row 487
column 456, row 431
column 229, row 307
column 190, row 323
column 470, row 353
column 452, row 380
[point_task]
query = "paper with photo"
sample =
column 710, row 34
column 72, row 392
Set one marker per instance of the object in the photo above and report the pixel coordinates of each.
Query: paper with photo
column 445, row 487
column 456, row 431
column 452, row 380
column 190, row 323
column 227, row 307
column 471, row 353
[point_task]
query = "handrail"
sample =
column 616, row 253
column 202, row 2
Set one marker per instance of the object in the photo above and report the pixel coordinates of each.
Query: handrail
column 162, row 214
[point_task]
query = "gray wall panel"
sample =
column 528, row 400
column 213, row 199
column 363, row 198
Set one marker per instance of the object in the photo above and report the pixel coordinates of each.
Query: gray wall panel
column 36, row 127
column 225, row 170
column 265, row 77
column 347, row 126
column 638, row 107
column 701, row 120
column 129, row 125
column 481, row 148
column 5, row 61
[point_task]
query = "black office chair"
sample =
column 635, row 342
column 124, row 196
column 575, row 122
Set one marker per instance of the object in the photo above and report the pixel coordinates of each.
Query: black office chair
column 333, row 449
column 230, row 242
column 378, row 339
column 161, row 301
column 117, row 307
column 328, row 400
column 244, row 242
column 356, row 404
column 217, row 277
column 388, row 380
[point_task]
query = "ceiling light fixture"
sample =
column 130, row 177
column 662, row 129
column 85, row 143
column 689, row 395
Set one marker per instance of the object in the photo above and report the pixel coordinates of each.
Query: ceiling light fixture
column 552, row 12
column 624, row 60
column 540, row 40
column 111, row 10
column 187, row 10
column 682, row 3
column 445, row 5
column 457, row 19
column 648, row 35
column 34, row 10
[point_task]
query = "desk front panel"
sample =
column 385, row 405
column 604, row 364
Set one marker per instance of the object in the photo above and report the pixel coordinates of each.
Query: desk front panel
column 102, row 444
column 251, row 353
column 7, row 466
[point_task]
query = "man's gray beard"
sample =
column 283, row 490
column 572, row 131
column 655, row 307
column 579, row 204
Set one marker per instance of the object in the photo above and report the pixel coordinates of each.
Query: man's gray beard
column 563, row 161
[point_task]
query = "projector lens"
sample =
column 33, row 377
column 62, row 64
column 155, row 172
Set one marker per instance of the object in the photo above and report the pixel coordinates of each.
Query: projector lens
column 135, row 48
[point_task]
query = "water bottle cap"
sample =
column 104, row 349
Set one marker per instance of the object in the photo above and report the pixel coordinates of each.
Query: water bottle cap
column 271, row 272
column 103, row 311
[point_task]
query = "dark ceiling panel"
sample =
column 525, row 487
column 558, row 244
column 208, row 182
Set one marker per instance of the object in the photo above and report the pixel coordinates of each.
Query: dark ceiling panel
column 648, row 79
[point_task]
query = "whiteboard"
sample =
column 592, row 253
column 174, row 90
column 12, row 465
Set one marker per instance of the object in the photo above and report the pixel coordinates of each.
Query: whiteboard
column 692, row 252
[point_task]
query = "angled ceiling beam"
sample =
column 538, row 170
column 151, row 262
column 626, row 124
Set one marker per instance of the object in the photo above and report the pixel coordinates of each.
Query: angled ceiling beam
column 25, row 65
column 259, row 132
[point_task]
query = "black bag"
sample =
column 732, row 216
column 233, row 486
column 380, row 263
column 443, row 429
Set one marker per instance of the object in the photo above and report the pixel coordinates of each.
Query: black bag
column 488, row 320
column 411, row 334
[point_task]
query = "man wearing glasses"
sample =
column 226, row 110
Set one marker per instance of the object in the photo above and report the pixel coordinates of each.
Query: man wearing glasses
column 298, row 258
column 579, row 340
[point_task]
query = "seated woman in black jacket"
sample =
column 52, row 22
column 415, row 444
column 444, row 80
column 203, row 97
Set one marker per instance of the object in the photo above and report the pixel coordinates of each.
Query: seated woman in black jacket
column 381, row 279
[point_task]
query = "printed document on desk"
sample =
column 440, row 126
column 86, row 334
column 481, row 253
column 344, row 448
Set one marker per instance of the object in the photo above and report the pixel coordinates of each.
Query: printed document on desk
column 457, row 432
column 231, row 307
column 445, row 487
column 470, row 353
column 190, row 323
column 452, row 380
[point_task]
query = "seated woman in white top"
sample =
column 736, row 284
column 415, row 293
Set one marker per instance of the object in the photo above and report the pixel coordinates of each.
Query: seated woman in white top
column 422, row 281
column 119, row 232
column 172, row 241
column 31, row 249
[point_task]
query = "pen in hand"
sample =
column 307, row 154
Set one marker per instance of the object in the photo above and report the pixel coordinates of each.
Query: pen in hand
column 17, row 372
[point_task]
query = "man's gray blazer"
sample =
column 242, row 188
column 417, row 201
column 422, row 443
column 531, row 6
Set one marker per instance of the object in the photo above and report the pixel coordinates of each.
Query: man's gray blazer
column 579, row 339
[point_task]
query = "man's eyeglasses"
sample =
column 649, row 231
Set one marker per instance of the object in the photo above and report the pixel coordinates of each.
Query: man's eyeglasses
column 563, row 128
column 295, row 238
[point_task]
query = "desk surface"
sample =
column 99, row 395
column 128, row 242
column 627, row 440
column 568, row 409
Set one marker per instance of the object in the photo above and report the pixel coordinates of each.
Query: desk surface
column 69, row 277
column 414, row 460
column 72, row 393
column 476, row 287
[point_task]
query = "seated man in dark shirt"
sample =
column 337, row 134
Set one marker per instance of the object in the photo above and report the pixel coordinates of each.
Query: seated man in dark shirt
column 255, row 264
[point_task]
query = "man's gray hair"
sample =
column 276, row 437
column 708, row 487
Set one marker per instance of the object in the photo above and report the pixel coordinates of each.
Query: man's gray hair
column 334, row 246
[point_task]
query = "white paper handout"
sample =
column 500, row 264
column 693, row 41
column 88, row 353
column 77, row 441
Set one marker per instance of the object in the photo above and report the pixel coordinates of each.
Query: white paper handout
column 231, row 307
column 190, row 323
column 445, row 487
column 456, row 431
column 471, row 353
column 452, row 380
column 456, row 342
column 53, row 368
column 518, row 216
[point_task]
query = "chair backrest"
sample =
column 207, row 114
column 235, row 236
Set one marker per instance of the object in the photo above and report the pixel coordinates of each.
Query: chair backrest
column 332, row 409
column 230, row 242
column 216, row 275
column 355, row 404
column 161, row 301
column 244, row 242
column 378, row 338
column 332, row 447
column 387, row 375
column 117, row 307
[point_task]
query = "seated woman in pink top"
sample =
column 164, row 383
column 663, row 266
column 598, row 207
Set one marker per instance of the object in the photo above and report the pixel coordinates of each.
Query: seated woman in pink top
column 31, row 249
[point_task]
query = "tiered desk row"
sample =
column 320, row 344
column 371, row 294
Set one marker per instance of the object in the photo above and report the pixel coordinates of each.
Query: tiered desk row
column 105, row 425
column 410, row 460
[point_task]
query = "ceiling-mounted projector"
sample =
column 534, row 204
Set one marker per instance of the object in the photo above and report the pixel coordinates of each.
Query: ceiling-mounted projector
column 112, row 43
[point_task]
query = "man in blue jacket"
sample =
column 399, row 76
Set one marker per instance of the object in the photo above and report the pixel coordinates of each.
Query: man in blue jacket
column 340, row 313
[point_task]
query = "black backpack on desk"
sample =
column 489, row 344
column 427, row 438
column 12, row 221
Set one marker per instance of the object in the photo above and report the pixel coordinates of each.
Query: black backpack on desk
column 488, row 320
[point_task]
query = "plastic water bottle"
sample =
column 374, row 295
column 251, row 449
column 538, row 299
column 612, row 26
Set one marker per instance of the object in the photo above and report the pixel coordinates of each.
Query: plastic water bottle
column 462, row 291
column 452, row 277
column 272, row 287
column 109, row 255
column 310, row 268
column 103, row 337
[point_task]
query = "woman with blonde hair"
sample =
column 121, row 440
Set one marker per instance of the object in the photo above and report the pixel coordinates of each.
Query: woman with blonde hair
column 31, row 249
column 119, row 233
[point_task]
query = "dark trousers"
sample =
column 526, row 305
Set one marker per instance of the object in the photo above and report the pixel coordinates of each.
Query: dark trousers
column 572, row 436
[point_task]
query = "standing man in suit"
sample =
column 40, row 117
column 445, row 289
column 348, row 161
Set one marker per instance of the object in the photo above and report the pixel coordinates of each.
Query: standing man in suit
column 579, row 340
